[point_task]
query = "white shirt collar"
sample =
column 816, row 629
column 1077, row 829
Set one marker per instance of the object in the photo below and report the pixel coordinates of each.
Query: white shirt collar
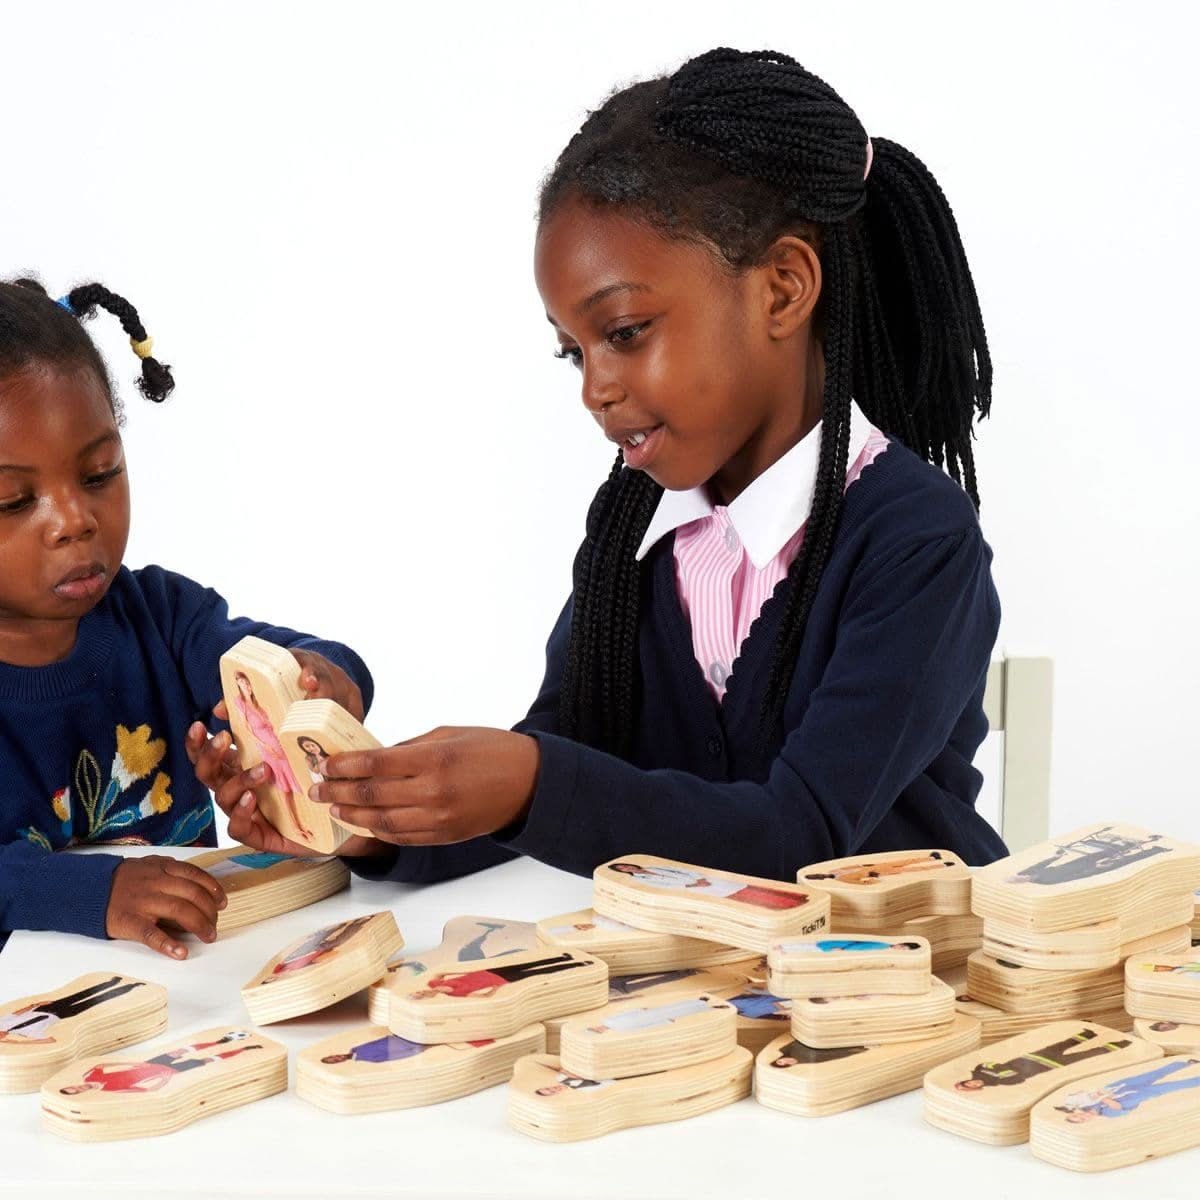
column 770, row 511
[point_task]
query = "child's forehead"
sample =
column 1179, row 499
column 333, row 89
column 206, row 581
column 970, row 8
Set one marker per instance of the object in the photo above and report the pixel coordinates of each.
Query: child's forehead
column 47, row 413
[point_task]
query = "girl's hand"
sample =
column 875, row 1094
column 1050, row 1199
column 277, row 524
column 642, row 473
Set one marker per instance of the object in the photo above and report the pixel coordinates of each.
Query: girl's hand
column 323, row 680
column 446, row 786
column 148, row 890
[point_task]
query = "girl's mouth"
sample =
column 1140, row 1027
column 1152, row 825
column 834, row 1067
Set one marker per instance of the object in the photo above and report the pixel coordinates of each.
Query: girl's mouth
column 83, row 584
column 640, row 448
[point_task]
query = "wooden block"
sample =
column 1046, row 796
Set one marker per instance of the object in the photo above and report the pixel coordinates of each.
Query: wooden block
column 369, row 1069
column 825, row 1023
column 1096, row 873
column 496, row 996
column 849, row 966
column 319, row 970
column 990, row 1099
column 553, row 1105
column 1122, row 1117
column 628, row 950
column 800, row 1079
column 887, row 889
column 1174, row 1037
column 465, row 939
column 100, row 1099
column 92, row 1014
column 664, row 896
column 1196, row 916
column 1164, row 987
column 261, row 681
column 621, row 1040
column 260, row 885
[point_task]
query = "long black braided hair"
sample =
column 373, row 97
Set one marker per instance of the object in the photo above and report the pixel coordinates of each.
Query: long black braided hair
column 34, row 329
column 735, row 150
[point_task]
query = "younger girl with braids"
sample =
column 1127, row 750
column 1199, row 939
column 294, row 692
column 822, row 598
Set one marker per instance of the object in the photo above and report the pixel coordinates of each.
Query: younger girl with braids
column 105, row 673
column 777, row 642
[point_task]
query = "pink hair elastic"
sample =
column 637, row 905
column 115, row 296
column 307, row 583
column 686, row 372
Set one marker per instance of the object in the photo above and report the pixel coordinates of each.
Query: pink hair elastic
column 870, row 159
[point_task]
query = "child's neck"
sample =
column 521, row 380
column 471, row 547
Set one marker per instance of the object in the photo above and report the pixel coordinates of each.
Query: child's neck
column 33, row 643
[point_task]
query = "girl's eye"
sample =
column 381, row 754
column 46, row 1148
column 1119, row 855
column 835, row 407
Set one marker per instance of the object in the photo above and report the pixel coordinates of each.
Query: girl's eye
column 16, row 506
column 627, row 333
column 99, row 480
column 572, row 353
column 621, row 336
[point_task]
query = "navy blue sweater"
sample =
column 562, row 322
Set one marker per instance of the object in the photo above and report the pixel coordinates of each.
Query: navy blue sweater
column 882, row 720
column 92, row 747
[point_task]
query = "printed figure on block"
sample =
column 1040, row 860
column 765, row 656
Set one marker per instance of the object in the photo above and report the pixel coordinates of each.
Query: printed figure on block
column 865, row 874
column 1037, row 1062
column 150, row 1074
column 651, row 1018
column 837, row 945
column 32, row 1023
column 317, row 946
column 1122, row 1096
column 1095, row 853
column 488, row 982
column 713, row 885
column 795, row 1053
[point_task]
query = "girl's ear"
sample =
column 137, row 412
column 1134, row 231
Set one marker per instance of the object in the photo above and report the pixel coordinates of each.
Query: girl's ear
column 792, row 279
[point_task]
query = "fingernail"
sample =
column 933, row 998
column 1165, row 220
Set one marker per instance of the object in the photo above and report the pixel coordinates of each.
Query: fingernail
column 259, row 772
column 334, row 811
column 244, row 802
column 224, row 903
column 315, row 794
column 178, row 951
column 222, row 740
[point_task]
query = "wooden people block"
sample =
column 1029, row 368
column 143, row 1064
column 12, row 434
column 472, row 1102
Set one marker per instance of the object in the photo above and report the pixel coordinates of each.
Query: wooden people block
column 495, row 997
column 990, row 1099
column 261, row 681
column 881, row 891
column 1164, row 987
column 800, row 1079
column 465, row 939
column 1173, row 1037
column 664, row 896
column 93, row 1014
column 1121, row 1117
column 628, row 950
column 259, row 885
column 619, row 1041
column 825, row 1023
column 369, row 1069
column 99, row 1099
column 319, row 970
column 549, row 1103
column 1096, row 873
column 951, row 939
column 1196, row 915
column 849, row 966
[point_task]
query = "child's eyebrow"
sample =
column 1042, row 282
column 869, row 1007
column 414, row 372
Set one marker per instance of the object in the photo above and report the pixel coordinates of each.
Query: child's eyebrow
column 111, row 436
column 609, row 289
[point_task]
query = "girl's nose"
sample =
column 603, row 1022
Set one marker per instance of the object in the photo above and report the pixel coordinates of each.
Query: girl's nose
column 600, row 390
column 72, row 519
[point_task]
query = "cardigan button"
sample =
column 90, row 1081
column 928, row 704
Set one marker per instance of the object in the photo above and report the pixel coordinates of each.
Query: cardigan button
column 714, row 745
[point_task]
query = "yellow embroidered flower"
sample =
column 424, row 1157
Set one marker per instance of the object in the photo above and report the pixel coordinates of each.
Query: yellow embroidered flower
column 159, row 799
column 61, row 803
column 137, row 755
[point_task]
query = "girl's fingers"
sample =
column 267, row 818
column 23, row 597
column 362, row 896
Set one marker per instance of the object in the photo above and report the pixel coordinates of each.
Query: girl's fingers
column 221, row 711
column 207, row 890
column 182, row 910
column 412, row 824
column 157, row 939
column 395, row 762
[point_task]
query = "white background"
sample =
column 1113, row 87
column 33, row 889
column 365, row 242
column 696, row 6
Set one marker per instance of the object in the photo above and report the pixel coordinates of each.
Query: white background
column 325, row 214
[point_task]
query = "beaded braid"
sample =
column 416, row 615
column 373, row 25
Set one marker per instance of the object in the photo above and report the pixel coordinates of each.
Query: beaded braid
column 738, row 149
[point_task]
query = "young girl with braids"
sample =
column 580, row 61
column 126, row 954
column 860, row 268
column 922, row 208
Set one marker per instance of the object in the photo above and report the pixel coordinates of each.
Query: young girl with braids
column 776, row 646
column 106, row 674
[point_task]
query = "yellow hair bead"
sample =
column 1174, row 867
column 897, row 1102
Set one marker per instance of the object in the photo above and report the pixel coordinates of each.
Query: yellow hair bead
column 144, row 348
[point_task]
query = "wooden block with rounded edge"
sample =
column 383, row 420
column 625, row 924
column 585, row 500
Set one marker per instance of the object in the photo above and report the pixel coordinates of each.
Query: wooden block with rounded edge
column 369, row 1069
column 160, row 1091
column 849, row 966
column 465, row 939
column 260, row 885
column 551, row 1104
column 621, row 1040
column 951, row 939
column 1164, row 987
column 1096, row 873
column 1118, row 1118
column 93, row 1014
column 809, row 1082
column 496, row 996
column 824, row 1022
column 1174, row 1037
column 990, row 1099
column 892, row 887
column 665, row 896
column 326, row 966
column 628, row 950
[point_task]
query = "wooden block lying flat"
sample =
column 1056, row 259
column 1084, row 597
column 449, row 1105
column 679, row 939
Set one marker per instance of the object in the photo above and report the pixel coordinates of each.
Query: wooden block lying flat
column 664, row 896
column 800, row 1079
column 1097, row 873
column 628, row 950
column 93, row 1014
column 951, row 939
column 1164, row 987
column 620, row 1041
column 95, row 1100
column 260, row 885
column 495, row 997
column 1174, row 1037
column 319, row 970
column 990, row 1099
column 1196, row 915
column 893, row 887
column 465, row 939
column 849, row 966
column 1119, row 1118
column 371, row 1070
column 825, row 1023
column 553, row 1105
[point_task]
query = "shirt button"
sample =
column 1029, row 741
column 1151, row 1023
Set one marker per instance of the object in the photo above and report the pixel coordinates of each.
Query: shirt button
column 714, row 745
column 732, row 544
column 717, row 673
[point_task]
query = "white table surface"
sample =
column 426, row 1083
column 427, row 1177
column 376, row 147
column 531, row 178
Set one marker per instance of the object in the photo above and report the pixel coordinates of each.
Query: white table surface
column 284, row 1146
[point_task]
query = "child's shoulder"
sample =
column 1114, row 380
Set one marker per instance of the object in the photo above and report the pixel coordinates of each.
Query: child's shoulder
column 164, row 597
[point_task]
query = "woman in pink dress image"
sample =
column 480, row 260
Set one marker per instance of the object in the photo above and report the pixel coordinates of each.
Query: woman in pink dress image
column 269, row 746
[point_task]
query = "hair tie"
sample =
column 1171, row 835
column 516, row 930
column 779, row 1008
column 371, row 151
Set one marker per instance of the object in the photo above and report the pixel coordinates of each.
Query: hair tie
column 65, row 302
column 144, row 348
column 870, row 159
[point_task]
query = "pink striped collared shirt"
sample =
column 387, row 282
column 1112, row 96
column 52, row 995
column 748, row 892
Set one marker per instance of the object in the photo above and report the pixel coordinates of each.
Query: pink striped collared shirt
column 722, row 582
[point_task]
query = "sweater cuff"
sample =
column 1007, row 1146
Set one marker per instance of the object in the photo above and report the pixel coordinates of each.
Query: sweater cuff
column 541, row 833
column 345, row 658
column 68, row 893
